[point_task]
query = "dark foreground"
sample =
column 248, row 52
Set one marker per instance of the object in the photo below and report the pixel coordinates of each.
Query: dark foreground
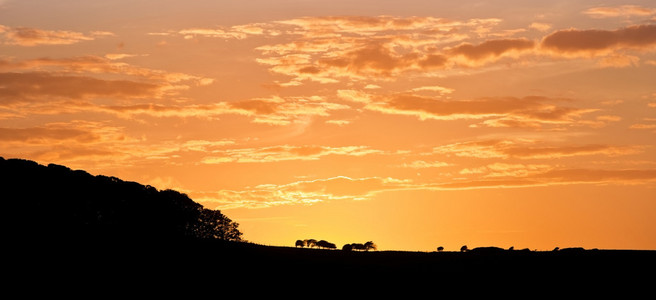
column 220, row 264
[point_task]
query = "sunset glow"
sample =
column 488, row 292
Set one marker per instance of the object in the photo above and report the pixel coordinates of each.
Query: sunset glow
column 414, row 124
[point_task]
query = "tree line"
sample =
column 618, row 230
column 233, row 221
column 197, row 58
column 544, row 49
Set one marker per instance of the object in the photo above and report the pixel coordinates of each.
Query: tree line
column 311, row 243
column 57, row 202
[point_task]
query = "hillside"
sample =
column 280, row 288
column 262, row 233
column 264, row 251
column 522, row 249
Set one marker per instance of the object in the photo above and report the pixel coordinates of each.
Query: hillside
column 54, row 202
column 99, row 227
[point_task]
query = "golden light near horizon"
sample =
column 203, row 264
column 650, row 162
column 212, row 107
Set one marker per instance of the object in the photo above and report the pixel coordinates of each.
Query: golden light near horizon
column 413, row 125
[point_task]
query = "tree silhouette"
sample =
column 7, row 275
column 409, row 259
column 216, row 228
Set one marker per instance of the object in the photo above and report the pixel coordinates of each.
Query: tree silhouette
column 464, row 248
column 363, row 247
column 311, row 243
column 326, row 244
column 440, row 249
column 214, row 225
column 57, row 202
column 370, row 246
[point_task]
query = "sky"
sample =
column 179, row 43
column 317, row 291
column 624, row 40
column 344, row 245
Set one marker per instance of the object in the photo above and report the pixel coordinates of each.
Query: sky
column 413, row 124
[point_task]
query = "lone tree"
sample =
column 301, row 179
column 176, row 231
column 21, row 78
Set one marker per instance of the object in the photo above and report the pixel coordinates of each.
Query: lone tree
column 440, row 249
column 464, row 248
column 370, row 246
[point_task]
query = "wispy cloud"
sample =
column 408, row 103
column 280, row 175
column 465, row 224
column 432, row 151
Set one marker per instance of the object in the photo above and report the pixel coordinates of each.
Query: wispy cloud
column 420, row 164
column 343, row 188
column 619, row 11
column 26, row 36
column 526, row 112
column 75, row 82
column 90, row 65
column 284, row 153
column 558, row 177
column 529, row 149
column 59, row 133
column 307, row 192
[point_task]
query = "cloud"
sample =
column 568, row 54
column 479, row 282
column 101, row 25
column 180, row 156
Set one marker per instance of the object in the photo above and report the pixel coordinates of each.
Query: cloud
column 37, row 99
column 557, row 177
column 193, row 32
column 208, row 111
column 65, row 141
column 36, row 85
column 339, row 122
column 508, row 170
column 491, row 50
column 284, row 153
column 386, row 57
column 47, row 135
column 326, row 49
column 307, row 192
column 47, row 86
column 574, row 42
column 342, row 188
column 379, row 59
column 435, row 88
column 542, row 27
column 594, row 176
column 99, row 144
column 530, row 150
column 90, row 64
column 25, row 36
column 531, row 111
column 237, row 32
column 619, row 11
column 85, row 78
column 643, row 126
column 619, row 61
column 284, row 111
column 420, row 164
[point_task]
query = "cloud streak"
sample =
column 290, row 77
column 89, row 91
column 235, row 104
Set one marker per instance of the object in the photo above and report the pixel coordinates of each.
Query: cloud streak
column 526, row 149
column 343, row 188
column 307, row 192
column 592, row 42
column 526, row 112
column 29, row 37
column 619, row 11
column 284, row 153
column 35, row 85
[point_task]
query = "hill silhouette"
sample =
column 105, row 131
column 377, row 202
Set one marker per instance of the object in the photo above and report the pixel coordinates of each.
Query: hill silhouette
column 56, row 203
column 100, row 227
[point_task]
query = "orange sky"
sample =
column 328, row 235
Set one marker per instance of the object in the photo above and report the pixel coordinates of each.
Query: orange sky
column 414, row 124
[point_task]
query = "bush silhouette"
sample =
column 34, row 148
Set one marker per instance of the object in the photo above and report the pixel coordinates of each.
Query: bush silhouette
column 326, row 244
column 357, row 246
column 55, row 201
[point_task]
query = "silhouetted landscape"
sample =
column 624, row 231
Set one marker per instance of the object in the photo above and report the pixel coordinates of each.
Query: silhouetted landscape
column 63, row 218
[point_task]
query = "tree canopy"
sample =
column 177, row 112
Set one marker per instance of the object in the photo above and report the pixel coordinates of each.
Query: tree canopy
column 55, row 201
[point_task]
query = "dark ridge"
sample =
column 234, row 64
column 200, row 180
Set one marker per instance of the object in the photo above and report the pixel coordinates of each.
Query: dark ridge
column 56, row 203
column 99, row 232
